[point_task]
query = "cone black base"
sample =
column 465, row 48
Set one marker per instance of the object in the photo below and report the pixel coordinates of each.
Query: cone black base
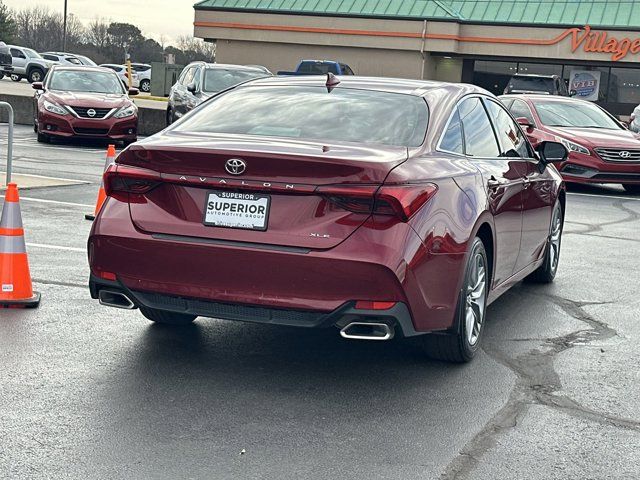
column 89, row 216
column 32, row 302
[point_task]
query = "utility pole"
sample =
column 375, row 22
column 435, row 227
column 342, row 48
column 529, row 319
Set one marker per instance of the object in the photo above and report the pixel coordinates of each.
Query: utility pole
column 64, row 28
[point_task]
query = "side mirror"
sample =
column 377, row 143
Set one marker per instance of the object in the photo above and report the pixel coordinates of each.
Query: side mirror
column 133, row 92
column 524, row 122
column 552, row 152
column 192, row 88
column 572, row 93
column 37, row 86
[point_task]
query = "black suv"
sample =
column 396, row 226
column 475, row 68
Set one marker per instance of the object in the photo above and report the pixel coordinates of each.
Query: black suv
column 523, row 83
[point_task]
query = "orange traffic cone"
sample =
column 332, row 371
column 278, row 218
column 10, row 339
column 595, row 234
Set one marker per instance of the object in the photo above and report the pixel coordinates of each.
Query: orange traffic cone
column 102, row 196
column 16, row 290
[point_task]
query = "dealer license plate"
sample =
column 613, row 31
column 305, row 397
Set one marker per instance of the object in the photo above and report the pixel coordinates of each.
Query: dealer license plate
column 237, row 210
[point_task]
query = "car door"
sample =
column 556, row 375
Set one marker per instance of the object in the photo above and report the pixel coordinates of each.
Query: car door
column 537, row 192
column 503, row 178
column 19, row 60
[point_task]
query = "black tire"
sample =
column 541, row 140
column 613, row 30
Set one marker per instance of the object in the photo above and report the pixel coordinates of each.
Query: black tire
column 1, row 75
column 546, row 272
column 16, row 78
column 42, row 138
column 167, row 318
column 635, row 189
column 169, row 116
column 455, row 345
column 145, row 86
column 35, row 75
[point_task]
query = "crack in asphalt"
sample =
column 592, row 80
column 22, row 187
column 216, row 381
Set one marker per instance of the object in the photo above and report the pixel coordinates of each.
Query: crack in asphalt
column 631, row 216
column 536, row 384
column 61, row 284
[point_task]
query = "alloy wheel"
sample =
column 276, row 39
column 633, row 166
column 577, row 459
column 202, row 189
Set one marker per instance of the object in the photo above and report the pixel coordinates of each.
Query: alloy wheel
column 476, row 298
column 554, row 239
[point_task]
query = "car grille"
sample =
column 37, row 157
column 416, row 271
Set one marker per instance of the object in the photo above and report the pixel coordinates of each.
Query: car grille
column 619, row 155
column 91, row 131
column 82, row 112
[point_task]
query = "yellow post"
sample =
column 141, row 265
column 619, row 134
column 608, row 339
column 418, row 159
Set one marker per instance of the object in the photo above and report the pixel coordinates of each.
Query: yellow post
column 129, row 72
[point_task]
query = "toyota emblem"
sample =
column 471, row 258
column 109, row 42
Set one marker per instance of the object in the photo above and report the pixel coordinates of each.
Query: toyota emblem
column 624, row 154
column 235, row 166
column 91, row 112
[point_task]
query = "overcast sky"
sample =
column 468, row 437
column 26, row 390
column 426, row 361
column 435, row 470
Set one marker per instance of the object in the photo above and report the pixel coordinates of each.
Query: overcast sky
column 169, row 17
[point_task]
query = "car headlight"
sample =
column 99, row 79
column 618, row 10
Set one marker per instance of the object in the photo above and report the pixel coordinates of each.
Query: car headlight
column 54, row 108
column 573, row 147
column 127, row 111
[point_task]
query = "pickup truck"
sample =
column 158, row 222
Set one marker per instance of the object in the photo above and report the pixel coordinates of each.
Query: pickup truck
column 320, row 67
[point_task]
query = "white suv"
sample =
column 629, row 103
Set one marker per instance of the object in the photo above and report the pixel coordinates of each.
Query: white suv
column 121, row 70
column 144, row 75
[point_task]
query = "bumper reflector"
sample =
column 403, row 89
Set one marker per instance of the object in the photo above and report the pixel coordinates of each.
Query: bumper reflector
column 369, row 305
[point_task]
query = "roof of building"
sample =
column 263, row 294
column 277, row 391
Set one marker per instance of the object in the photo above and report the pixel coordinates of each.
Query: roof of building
column 597, row 13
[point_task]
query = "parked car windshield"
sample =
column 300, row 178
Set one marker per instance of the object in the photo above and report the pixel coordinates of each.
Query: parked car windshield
column 218, row 79
column 531, row 84
column 348, row 115
column 84, row 81
column 573, row 114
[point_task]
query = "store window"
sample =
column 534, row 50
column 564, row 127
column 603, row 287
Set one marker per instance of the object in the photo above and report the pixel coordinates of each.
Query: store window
column 624, row 86
column 493, row 76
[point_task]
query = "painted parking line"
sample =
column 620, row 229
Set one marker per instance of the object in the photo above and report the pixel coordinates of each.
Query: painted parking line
column 57, row 247
column 56, row 202
column 618, row 197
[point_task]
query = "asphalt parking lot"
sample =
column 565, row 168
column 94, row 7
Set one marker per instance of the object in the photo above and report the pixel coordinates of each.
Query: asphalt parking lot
column 92, row 392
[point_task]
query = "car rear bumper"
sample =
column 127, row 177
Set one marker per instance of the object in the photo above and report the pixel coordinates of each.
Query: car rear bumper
column 371, row 265
column 68, row 126
column 397, row 317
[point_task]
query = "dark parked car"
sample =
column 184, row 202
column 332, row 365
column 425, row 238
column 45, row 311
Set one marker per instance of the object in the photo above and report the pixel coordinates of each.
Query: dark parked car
column 199, row 81
column 320, row 67
column 525, row 83
column 378, row 206
column 601, row 149
column 5, row 60
column 85, row 102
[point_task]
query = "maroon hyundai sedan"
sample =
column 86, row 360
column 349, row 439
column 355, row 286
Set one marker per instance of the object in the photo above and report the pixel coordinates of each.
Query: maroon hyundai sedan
column 84, row 102
column 601, row 149
column 381, row 207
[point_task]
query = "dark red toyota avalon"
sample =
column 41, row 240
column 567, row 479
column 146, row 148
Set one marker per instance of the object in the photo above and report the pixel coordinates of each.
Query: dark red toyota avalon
column 601, row 149
column 381, row 207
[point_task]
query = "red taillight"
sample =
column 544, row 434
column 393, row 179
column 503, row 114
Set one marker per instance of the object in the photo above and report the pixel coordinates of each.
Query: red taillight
column 126, row 74
column 369, row 305
column 126, row 179
column 402, row 201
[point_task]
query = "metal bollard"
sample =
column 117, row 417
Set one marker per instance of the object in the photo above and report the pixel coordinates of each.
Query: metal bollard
column 9, row 140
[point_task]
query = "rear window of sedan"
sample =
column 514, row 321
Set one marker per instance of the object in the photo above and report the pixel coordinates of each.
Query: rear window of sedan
column 313, row 113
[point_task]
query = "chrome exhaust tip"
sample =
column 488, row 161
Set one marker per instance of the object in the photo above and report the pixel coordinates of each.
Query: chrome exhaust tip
column 367, row 331
column 112, row 298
